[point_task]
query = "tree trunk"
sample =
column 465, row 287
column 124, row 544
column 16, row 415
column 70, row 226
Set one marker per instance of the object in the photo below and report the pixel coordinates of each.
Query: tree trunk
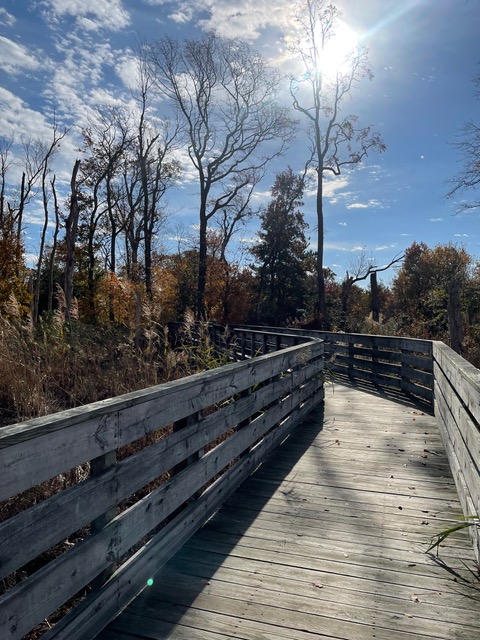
column 71, row 227
column 202, row 265
column 375, row 299
column 54, row 247
column 321, row 316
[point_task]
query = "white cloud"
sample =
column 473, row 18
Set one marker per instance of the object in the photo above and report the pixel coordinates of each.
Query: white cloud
column 342, row 224
column 330, row 188
column 6, row 18
column 31, row 259
column 357, row 205
column 436, row 219
column 126, row 68
column 337, row 246
column 365, row 205
column 90, row 15
column 15, row 58
column 16, row 115
column 238, row 19
column 383, row 247
column 461, row 235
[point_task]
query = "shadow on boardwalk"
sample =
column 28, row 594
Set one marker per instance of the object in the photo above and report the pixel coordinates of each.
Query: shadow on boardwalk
column 326, row 539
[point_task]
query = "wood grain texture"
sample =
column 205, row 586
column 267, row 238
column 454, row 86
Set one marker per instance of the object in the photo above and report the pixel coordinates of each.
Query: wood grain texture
column 54, row 444
column 326, row 539
column 229, row 419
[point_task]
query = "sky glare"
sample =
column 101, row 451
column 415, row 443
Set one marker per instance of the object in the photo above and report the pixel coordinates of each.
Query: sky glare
column 65, row 57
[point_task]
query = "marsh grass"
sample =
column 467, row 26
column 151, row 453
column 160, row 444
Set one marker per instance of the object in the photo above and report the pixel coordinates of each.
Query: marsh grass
column 58, row 364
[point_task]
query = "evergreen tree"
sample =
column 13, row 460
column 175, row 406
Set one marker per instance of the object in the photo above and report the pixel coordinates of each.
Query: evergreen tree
column 281, row 252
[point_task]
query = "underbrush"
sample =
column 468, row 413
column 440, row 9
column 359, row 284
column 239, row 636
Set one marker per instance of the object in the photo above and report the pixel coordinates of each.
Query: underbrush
column 59, row 364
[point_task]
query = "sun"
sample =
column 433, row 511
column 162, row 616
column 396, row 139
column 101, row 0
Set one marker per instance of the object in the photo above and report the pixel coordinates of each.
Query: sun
column 338, row 50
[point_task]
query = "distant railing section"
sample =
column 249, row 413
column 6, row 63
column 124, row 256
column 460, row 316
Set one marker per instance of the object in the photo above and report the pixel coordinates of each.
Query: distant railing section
column 404, row 364
column 429, row 370
column 200, row 437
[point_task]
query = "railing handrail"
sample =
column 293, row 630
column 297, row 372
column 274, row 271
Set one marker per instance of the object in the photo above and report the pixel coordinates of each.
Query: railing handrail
column 426, row 369
column 220, row 424
column 401, row 363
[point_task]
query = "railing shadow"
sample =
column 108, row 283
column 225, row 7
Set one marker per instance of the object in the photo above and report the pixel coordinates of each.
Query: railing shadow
column 381, row 391
column 147, row 605
column 170, row 601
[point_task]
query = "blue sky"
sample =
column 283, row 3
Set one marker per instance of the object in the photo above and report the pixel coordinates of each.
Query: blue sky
column 68, row 56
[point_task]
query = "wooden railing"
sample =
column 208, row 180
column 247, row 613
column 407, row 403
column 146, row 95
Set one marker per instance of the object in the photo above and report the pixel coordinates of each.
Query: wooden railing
column 200, row 436
column 457, row 409
column 398, row 363
column 426, row 369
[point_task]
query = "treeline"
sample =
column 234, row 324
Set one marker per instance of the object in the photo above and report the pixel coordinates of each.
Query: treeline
column 120, row 278
column 111, row 336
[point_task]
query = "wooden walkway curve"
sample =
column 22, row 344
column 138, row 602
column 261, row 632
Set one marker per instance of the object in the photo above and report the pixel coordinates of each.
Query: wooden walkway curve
column 326, row 539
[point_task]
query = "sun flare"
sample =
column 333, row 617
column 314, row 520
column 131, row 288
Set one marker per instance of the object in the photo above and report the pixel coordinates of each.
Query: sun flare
column 337, row 50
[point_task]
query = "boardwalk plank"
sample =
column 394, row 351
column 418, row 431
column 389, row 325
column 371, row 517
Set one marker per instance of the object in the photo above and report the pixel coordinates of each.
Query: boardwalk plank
column 327, row 539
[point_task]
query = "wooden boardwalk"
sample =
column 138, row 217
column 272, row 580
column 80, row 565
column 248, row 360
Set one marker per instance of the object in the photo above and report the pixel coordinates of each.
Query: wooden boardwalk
column 326, row 539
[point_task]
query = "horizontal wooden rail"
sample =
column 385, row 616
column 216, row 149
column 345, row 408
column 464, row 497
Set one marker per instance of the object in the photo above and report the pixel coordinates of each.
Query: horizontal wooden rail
column 430, row 370
column 203, row 435
column 399, row 363
column 457, row 409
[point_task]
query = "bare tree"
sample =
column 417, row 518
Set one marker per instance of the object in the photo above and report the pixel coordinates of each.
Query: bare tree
column 468, row 179
column 153, row 147
column 71, row 230
column 53, row 251
column 225, row 96
column 5, row 164
column 336, row 140
column 106, row 139
column 361, row 269
column 43, row 153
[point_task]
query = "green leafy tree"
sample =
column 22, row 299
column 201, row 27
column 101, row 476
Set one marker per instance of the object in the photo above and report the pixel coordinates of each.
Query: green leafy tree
column 281, row 252
column 430, row 292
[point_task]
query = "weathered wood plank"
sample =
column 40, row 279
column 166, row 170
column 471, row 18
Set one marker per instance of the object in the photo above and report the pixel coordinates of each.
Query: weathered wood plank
column 71, row 509
column 177, row 589
column 54, row 444
column 463, row 376
column 101, row 607
column 64, row 576
column 336, row 588
column 330, row 553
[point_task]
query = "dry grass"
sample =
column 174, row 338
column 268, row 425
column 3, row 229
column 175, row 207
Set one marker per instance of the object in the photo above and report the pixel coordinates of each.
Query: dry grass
column 57, row 365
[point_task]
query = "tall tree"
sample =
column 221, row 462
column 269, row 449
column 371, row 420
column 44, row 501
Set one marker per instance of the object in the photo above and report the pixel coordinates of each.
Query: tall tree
column 44, row 152
column 106, row 140
column 225, row 96
column 468, row 179
column 336, row 140
column 281, row 252
column 71, row 231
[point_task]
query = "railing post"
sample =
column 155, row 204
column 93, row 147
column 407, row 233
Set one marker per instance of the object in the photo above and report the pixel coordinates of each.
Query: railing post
column 351, row 356
column 375, row 357
column 97, row 467
column 403, row 377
